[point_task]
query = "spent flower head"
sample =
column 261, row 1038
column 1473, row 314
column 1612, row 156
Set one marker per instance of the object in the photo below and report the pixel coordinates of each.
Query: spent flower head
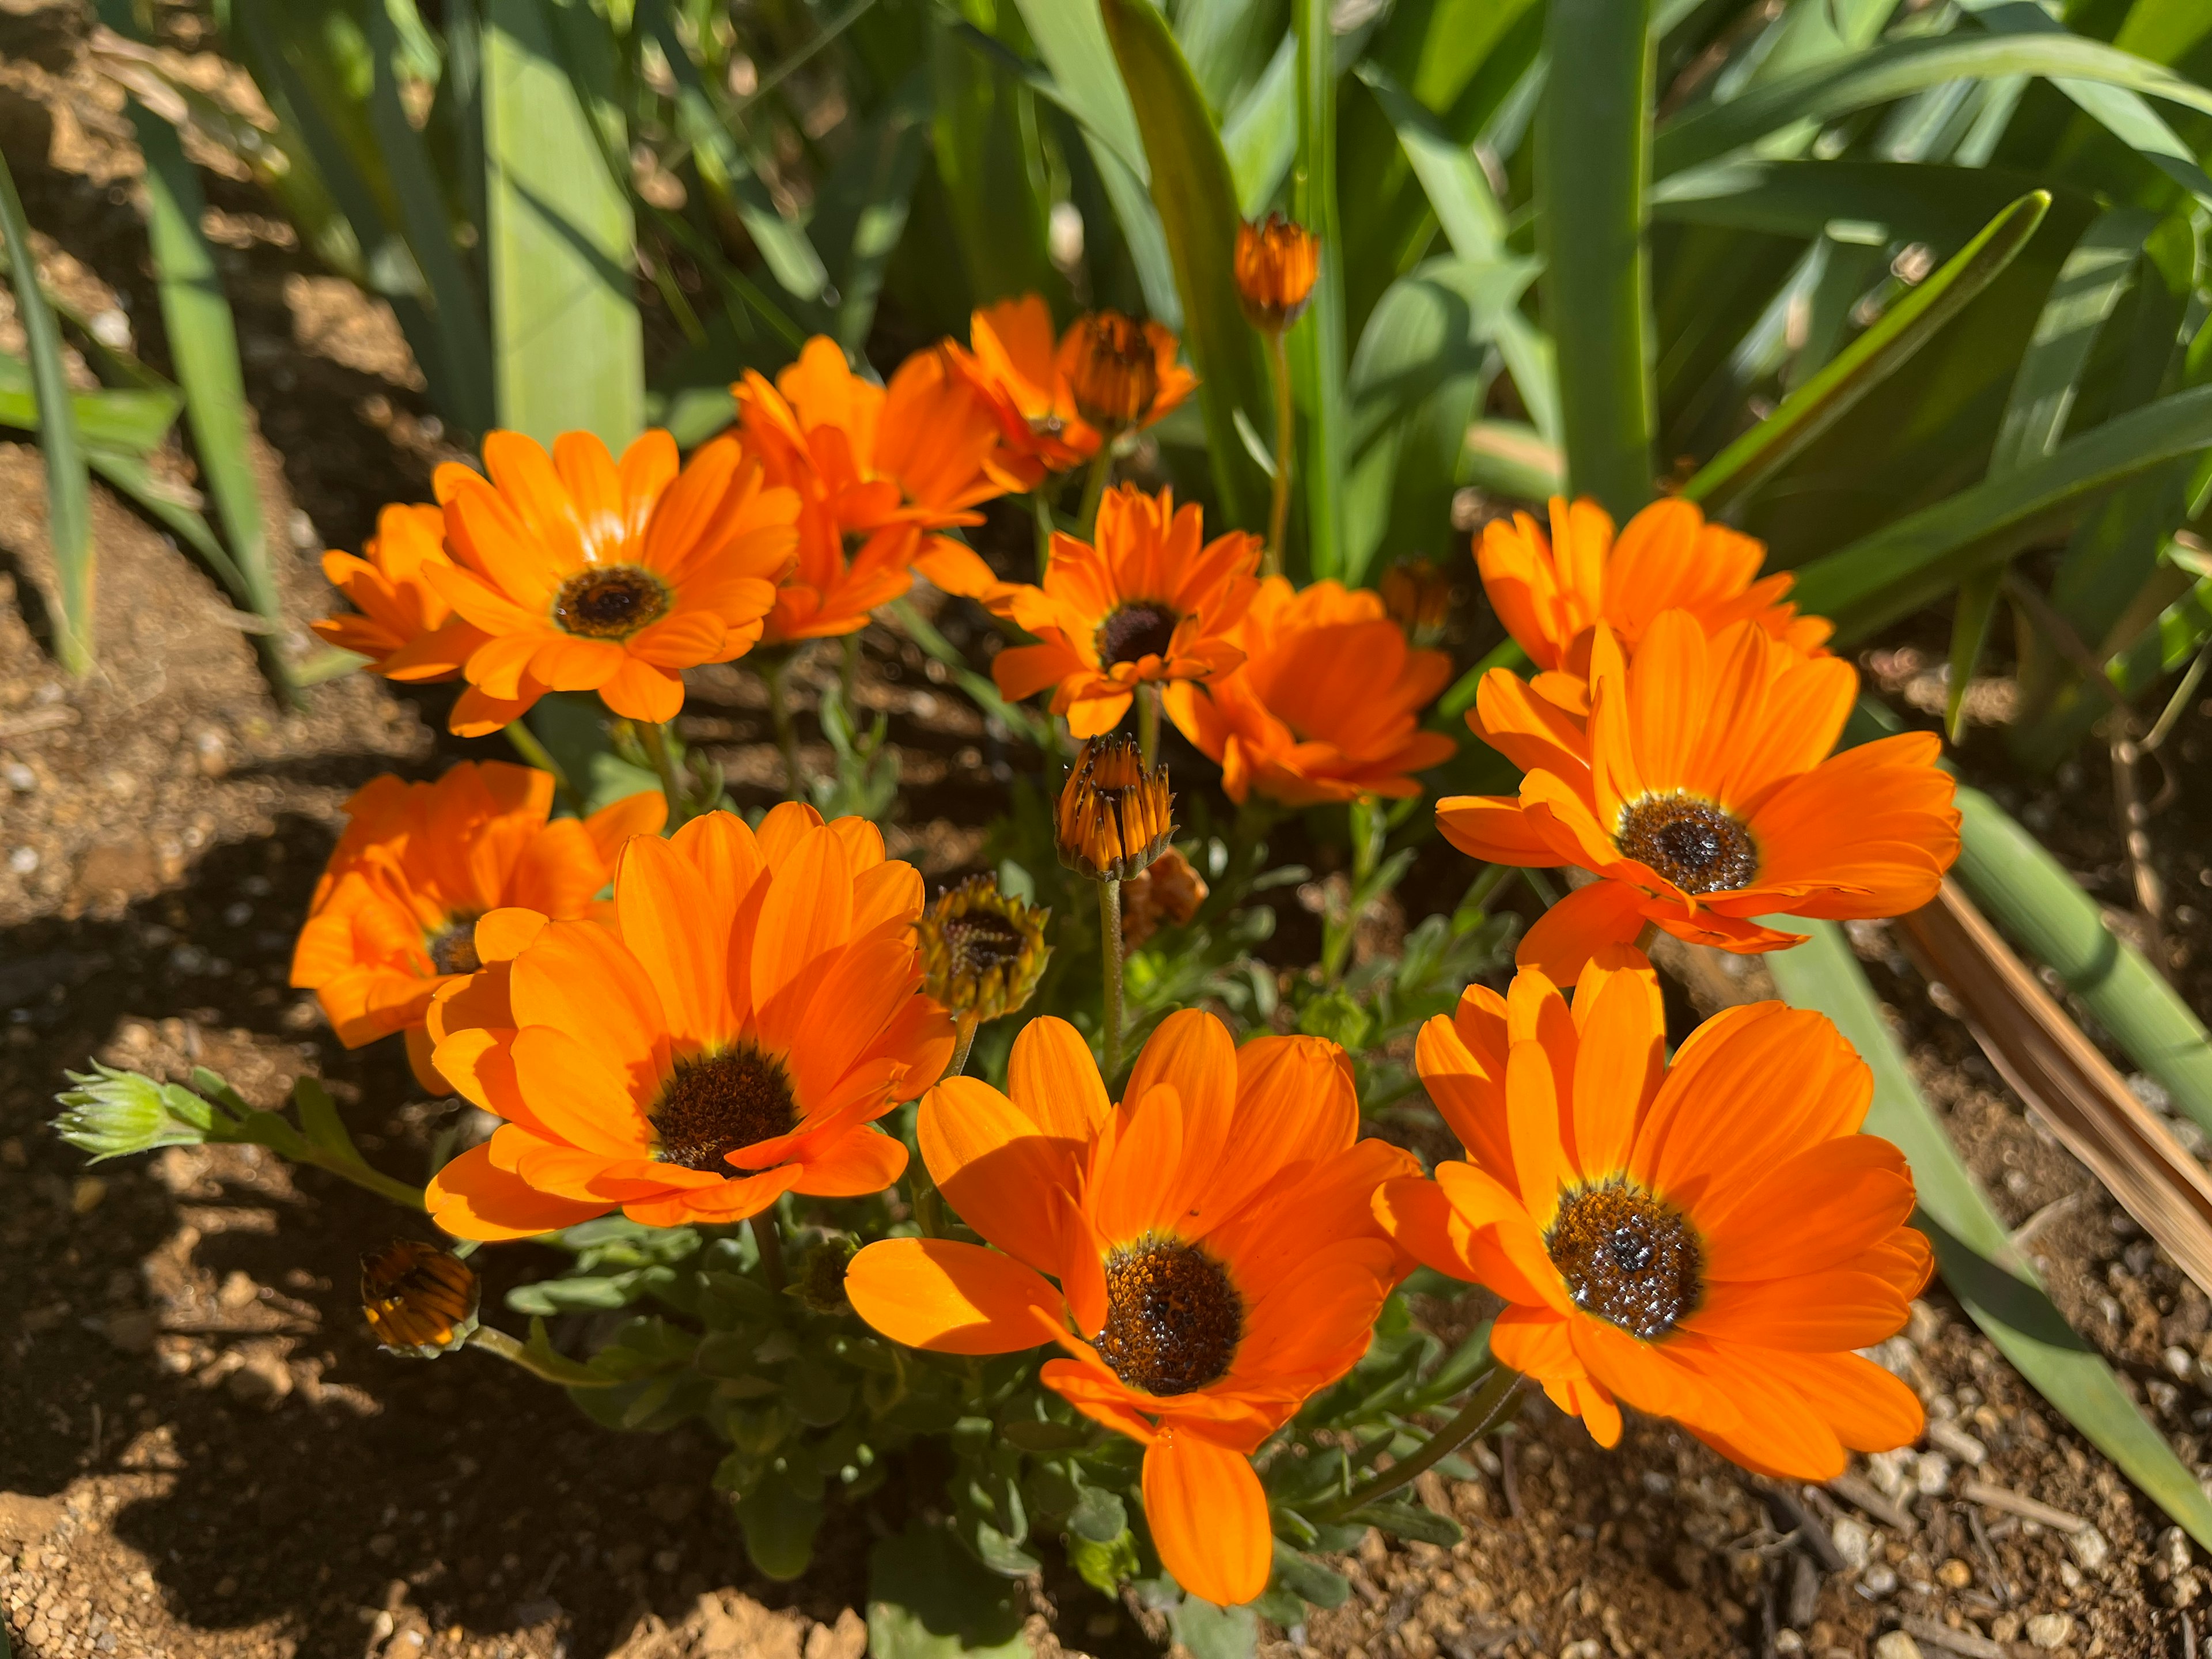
column 982, row 951
column 111, row 1113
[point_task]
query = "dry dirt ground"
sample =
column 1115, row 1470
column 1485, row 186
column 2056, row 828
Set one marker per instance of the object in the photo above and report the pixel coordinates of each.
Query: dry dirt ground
column 203, row 1456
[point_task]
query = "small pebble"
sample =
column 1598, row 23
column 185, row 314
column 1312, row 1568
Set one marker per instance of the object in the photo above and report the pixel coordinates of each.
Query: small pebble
column 2090, row 1548
column 1897, row 1645
column 110, row 328
column 1852, row 1542
column 23, row 860
column 1931, row 1475
column 2050, row 1630
column 2179, row 1362
column 237, row 914
column 1955, row 1573
column 1879, row 1580
column 20, row 778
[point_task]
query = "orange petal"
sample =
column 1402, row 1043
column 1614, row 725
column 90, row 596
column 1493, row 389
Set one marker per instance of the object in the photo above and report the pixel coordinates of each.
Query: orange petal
column 667, row 917
column 808, row 911
column 1192, row 1052
column 953, row 1297
column 1869, row 1410
column 1132, row 1165
column 1585, row 921
column 1053, row 1077
column 862, row 1160
column 641, row 814
column 1622, row 1057
column 471, row 1198
column 1208, row 1516
column 1838, row 1309
column 1817, row 1210
column 1468, row 1087
column 1001, row 1174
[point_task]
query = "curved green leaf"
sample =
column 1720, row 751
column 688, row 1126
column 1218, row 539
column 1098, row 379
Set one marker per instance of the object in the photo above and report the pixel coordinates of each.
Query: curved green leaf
column 1871, row 359
column 1317, row 341
column 1917, row 559
column 1880, row 201
column 1972, row 1247
column 1197, row 202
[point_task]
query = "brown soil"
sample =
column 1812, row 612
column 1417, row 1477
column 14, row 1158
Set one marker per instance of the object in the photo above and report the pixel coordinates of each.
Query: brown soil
column 202, row 1454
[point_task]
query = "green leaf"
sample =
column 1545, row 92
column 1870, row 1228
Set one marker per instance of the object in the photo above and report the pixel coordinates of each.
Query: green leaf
column 1317, row 341
column 1457, row 189
column 1511, row 459
column 980, row 143
column 68, row 490
column 1970, row 632
column 1213, row 1633
column 1413, row 1521
column 1261, row 133
column 780, row 1526
column 865, row 203
column 567, row 341
column 1197, row 202
column 1973, row 1247
column 1896, row 69
column 1879, row 201
column 1869, row 359
column 1592, row 163
column 1915, row 559
column 929, row 1599
column 134, row 420
column 2030, row 895
column 1309, row 1580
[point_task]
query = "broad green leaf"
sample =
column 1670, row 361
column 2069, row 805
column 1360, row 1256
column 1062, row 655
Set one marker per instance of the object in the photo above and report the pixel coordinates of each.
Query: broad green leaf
column 68, row 490
column 984, row 163
column 1510, row 458
column 779, row 1525
column 1916, row 559
column 1973, row 1247
column 1458, row 191
column 1593, row 162
column 1316, row 343
column 1261, row 133
column 929, row 1599
column 568, row 341
column 1876, row 354
column 1197, row 202
column 1896, row 69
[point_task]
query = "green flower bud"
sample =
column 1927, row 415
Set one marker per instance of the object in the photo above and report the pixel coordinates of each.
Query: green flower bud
column 111, row 1112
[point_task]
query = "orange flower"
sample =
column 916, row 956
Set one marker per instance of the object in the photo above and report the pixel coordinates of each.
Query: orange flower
column 1707, row 1242
column 1550, row 593
column 405, row 626
column 1276, row 263
column 585, row 576
column 877, row 467
column 1014, row 355
column 1703, row 794
column 1212, row 1237
column 392, row 918
column 1326, row 705
column 1146, row 602
column 755, row 1007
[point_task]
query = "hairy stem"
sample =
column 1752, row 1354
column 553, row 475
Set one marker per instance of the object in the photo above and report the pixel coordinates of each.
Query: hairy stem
column 1041, row 509
column 1286, row 439
column 1109, row 948
column 1489, row 1405
column 655, row 738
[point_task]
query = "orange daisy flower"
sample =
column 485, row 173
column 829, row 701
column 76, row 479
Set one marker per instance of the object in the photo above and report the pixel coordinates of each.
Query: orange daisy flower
column 1708, row 1242
column 755, row 1006
column 1326, row 705
column 1550, row 593
column 1015, row 355
column 585, row 576
column 1703, row 794
column 393, row 919
column 877, row 467
column 1213, row 1243
column 1144, row 602
column 404, row 625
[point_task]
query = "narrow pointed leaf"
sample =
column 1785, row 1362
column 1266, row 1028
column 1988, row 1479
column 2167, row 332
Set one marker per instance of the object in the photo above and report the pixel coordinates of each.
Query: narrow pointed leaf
column 1317, row 345
column 1970, row 633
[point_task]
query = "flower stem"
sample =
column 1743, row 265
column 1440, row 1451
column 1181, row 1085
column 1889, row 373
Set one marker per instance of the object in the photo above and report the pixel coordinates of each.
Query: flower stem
column 536, row 754
column 848, row 674
column 778, row 669
column 1489, row 1405
column 1041, row 509
column 1094, row 487
column 655, row 738
column 1286, row 439
column 566, row 1372
column 963, row 1040
column 768, row 1238
column 1109, row 947
column 369, row 1180
column 1148, row 722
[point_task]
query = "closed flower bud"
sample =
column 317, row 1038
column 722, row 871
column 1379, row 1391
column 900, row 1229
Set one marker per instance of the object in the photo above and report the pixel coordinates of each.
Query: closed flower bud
column 1115, row 815
column 1113, row 369
column 1167, row 895
column 1277, row 262
column 1417, row 597
column 111, row 1112
column 419, row 1299
column 982, row 951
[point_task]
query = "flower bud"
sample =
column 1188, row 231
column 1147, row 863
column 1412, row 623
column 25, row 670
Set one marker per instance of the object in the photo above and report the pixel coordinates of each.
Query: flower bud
column 1113, row 371
column 1115, row 815
column 982, row 951
column 111, row 1112
column 1417, row 597
column 1276, row 265
column 819, row 1285
column 1166, row 894
column 419, row 1299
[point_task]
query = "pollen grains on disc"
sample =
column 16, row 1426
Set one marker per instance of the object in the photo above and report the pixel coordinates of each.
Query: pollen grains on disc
column 452, row 947
column 1627, row 1257
column 715, row 1104
column 1173, row 1320
column 610, row 602
column 1700, row 846
column 1135, row 632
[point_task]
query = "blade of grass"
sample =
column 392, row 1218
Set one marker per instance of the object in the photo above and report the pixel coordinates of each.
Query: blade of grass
column 68, row 491
column 1510, row 458
column 2089, row 287
column 1316, row 343
column 1883, row 201
column 1970, row 632
column 1915, row 559
column 568, row 344
column 1999, row 1290
column 2033, row 899
column 1867, row 360
column 1197, row 202
column 133, row 420
column 175, row 512
column 1261, row 133
column 1592, row 163
column 863, row 209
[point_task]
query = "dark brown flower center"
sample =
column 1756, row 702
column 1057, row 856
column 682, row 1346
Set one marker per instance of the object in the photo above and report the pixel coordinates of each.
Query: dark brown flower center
column 1135, row 632
column 1173, row 1320
column 610, row 602
column 1693, row 843
column 452, row 948
column 716, row 1105
column 980, row 941
column 1627, row 1257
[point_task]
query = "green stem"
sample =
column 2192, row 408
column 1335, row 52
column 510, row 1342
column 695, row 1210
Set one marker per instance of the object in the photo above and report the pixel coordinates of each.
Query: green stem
column 848, row 674
column 778, row 668
column 768, row 1238
column 361, row 1176
column 1094, row 486
column 534, row 753
column 963, row 1042
column 654, row 736
column 1287, row 440
column 1148, row 723
column 1109, row 948
column 567, row 1373
column 1041, row 510
column 1488, row 1406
